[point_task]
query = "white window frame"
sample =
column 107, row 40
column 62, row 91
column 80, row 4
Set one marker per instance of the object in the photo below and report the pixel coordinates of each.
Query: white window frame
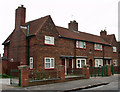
column 31, row 62
column 115, row 63
column 80, row 63
column 98, row 62
column 98, row 46
column 49, row 62
column 49, row 40
column 114, row 49
column 81, row 44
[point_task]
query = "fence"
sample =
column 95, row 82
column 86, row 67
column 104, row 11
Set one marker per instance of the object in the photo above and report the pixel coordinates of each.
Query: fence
column 15, row 77
column 98, row 71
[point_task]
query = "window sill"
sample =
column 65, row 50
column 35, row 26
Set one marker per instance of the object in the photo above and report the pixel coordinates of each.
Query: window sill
column 30, row 68
column 98, row 50
column 80, row 48
column 79, row 67
column 114, row 52
column 50, row 44
column 49, row 68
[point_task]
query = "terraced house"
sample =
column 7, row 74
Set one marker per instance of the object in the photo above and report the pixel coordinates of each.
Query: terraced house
column 43, row 46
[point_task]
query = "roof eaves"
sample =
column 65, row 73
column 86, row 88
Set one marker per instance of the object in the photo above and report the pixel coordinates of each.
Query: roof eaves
column 107, row 44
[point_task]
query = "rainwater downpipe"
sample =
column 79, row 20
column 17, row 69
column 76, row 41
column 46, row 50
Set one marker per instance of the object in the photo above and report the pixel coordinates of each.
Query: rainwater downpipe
column 75, row 52
column 28, row 42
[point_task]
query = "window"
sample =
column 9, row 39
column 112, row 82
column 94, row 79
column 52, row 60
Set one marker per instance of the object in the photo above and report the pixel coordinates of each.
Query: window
column 31, row 62
column 98, row 62
column 49, row 40
column 80, row 44
column 97, row 46
column 49, row 63
column 114, row 49
column 115, row 62
column 80, row 63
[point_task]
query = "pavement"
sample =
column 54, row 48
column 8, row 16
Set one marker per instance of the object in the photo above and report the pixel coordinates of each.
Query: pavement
column 70, row 85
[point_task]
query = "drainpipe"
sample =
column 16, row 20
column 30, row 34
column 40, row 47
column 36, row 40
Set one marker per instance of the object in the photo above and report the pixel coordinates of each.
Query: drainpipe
column 75, row 52
column 28, row 47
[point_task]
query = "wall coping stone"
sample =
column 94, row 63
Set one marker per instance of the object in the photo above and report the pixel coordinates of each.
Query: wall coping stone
column 23, row 67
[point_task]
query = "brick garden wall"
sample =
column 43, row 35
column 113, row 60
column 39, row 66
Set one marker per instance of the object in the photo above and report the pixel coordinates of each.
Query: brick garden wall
column 7, row 66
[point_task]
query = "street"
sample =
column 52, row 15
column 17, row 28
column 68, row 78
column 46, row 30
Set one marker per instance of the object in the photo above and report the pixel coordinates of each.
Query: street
column 72, row 86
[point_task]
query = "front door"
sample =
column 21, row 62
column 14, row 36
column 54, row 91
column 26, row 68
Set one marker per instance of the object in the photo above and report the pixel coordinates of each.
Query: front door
column 90, row 62
column 69, row 66
column 64, row 63
column 70, row 63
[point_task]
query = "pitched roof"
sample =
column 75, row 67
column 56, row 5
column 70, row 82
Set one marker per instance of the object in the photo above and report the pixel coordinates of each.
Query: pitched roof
column 108, row 38
column 36, row 25
column 64, row 32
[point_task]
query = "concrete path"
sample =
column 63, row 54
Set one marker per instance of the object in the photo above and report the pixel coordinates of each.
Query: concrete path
column 71, row 84
column 5, row 84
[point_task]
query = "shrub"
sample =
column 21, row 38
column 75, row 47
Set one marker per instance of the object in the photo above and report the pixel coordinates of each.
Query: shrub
column 4, row 76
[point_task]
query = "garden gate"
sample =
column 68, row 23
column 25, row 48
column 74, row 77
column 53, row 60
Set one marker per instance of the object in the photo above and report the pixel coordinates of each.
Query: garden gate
column 15, row 77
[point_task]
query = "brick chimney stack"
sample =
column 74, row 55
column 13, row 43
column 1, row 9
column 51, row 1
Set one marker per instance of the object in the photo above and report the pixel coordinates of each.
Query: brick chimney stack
column 20, row 16
column 103, row 33
column 73, row 26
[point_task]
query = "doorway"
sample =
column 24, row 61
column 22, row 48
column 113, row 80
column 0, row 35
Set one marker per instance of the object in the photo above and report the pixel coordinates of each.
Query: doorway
column 64, row 63
column 70, row 63
column 91, row 63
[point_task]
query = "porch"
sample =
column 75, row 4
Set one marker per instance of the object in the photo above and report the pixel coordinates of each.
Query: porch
column 73, row 66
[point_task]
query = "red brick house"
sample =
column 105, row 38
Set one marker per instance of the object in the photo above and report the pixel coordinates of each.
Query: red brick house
column 42, row 45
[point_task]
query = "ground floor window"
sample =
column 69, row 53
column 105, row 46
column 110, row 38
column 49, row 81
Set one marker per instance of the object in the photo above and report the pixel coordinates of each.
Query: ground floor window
column 31, row 62
column 49, row 62
column 98, row 62
column 115, row 62
column 80, row 63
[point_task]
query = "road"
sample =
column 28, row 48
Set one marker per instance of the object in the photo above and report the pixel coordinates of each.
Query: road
column 113, row 86
column 71, row 85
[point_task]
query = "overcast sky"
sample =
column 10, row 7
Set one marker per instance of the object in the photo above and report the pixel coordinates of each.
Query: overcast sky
column 92, row 15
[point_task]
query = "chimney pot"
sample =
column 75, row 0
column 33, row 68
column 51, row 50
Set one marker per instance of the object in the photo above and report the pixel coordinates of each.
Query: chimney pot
column 73, row 25
column 102, row 33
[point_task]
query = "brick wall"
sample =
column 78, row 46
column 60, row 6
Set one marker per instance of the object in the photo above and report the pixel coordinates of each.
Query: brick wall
column 7, row 66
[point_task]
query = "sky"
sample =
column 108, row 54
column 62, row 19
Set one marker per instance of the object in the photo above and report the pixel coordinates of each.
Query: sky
column 92, row 15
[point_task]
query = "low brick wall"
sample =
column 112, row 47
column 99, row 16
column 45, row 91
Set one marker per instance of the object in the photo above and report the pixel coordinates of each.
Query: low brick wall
column 117, row 69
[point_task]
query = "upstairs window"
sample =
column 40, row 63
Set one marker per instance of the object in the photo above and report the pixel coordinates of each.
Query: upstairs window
column 114, row 49
column 80, row 44
column 49, row 63
column 97, row 46
column 49, row 40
